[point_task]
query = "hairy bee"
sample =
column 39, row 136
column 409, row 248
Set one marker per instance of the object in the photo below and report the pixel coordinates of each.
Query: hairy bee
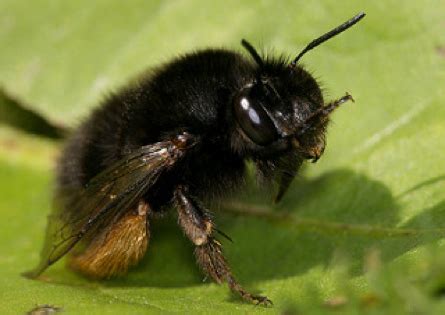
column 175, row 138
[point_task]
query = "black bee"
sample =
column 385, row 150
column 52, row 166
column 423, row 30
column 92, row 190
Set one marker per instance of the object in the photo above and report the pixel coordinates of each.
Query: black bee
column 175, row 138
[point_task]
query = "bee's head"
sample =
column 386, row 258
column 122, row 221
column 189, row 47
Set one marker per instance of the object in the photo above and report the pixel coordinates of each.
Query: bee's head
column 280, row 114
column 281, row 110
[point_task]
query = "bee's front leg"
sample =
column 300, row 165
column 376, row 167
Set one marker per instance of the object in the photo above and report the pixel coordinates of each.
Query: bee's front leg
column 197, row 225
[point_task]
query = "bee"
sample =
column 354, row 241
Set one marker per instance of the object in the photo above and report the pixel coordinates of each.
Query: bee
column 179, row 137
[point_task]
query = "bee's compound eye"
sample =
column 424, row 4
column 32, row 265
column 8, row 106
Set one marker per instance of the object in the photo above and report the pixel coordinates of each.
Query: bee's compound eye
column 254, row 120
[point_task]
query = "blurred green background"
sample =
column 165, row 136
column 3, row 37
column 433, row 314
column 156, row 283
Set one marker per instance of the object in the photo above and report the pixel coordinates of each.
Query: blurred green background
column 366, row 223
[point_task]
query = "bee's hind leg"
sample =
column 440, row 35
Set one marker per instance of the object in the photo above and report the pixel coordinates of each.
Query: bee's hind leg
column 197, row 225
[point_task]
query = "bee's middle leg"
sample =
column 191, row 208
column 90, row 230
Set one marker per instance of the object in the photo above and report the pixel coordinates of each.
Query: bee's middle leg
column 198, row 226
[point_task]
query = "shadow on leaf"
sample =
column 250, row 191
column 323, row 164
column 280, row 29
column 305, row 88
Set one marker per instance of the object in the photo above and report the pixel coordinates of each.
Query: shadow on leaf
column 341, row 213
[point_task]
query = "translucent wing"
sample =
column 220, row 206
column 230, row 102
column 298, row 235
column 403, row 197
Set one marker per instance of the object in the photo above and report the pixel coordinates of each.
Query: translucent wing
column 107, row 197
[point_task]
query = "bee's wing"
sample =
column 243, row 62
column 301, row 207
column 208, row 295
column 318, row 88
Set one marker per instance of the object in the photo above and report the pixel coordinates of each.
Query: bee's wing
column 105, row 199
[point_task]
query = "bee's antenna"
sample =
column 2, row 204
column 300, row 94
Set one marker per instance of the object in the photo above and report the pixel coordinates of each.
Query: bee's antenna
column 252, row 51
column 323, row 112
column 328, row 35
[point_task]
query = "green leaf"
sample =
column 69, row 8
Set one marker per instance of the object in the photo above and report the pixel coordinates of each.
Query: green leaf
column 361, row 232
